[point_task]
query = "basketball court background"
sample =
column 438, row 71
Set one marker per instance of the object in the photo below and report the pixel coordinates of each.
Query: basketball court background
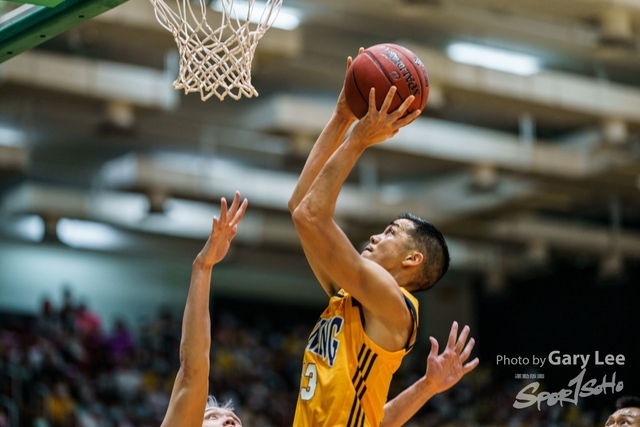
column 527, row 157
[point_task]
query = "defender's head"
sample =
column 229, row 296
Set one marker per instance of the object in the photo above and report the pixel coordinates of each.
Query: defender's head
column 412, row 250
column 627, row 413
column 217, row 415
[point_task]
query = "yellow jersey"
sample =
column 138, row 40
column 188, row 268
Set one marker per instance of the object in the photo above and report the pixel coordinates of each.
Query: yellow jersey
column 345, row 375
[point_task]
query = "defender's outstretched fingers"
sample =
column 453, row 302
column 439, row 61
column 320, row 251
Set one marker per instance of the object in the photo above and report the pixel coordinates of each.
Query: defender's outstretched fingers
column 223, row 211
column 240, row 213
column 234, row 205
column 464, row 355
column 434, row 347
column 462, row 340
column 470, row 366
column 453, row 335
column 232, row 233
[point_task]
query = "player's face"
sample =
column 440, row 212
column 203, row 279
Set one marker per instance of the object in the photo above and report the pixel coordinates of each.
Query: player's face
column 388, row 248
column 218, row 417
column 628, row 417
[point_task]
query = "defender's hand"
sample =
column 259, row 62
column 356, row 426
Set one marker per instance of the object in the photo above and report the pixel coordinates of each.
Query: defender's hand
column 379, row 125
column 223, row 231
column 446, row 369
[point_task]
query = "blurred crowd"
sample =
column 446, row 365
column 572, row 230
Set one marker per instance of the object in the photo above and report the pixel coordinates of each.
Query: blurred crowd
column 60, row 368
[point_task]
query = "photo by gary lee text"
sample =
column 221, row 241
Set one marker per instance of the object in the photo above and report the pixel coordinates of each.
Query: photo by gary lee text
column 557, row 358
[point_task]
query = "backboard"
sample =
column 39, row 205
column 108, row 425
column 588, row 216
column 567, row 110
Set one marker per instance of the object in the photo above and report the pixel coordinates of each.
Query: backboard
column 36, row 21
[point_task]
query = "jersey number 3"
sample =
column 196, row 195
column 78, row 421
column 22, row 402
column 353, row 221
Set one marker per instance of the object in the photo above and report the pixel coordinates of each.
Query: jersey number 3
column 311, row 374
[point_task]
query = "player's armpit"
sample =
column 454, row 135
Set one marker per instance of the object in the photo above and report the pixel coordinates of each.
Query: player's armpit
column 323, row 278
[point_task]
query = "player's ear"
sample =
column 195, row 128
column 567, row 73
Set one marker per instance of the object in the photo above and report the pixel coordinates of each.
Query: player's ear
column 413, row 259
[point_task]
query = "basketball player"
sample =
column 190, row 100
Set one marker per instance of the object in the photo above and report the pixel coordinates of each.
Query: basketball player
column 189, row 405
column 627, row 413
column 371, row 322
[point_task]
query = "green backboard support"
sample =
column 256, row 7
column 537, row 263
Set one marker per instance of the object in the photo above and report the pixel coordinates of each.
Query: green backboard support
column 48, row 3
column 30, row 25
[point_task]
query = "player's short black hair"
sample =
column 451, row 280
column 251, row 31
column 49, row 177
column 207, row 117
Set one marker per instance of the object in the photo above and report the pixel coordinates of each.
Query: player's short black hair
column 431, row 241
column 628, row 402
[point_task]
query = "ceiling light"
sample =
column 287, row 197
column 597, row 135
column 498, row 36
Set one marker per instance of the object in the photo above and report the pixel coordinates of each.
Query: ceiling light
column 495, row 59
column 10, row 137
column 287, row 19
column 28, row 227
column 88, row 234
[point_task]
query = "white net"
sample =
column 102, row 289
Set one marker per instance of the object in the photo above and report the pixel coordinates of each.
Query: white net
column 217, row 61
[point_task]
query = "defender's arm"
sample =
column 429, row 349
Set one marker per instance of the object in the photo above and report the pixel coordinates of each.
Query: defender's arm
column 190, row 390
column 443, row 372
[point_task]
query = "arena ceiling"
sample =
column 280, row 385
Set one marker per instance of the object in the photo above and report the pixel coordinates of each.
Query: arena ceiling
column 516, row 169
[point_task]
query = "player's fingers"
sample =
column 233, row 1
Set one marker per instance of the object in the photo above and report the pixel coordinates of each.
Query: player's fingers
column 372, row 101
column 234, row 205
column 240, row 213
column 223, row 211
column 349, row 62
column 360, row 50
column 467, row 350
column 404, row 106
column 215, row 227
column 402, row 122
column 434, row 347
column 453, row 335
column 233, row 232
column 388, row 99
column 470, row 366
column 462, row 339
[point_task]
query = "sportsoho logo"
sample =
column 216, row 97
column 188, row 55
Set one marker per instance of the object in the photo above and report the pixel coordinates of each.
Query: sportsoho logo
column 577, row 386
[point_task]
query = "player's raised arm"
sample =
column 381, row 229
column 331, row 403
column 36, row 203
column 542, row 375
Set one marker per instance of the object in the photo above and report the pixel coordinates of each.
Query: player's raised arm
column 190, row 390
column 443, row 372
column 329, row 140
column 369, row 282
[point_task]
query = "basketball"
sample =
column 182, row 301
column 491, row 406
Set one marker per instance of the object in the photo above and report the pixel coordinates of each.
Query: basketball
column 382, row 66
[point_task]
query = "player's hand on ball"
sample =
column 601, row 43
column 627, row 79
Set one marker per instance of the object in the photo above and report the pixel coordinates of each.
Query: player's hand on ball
column 379, row 125
column 223, row 231
column 342, row 107
column 446, row 369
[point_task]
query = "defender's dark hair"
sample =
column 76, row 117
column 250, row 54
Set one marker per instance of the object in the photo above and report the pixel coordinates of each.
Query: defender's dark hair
column 628, row 402
column 430, row 241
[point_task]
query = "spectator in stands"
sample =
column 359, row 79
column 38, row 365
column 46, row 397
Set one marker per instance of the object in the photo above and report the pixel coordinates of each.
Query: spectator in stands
column 68, row 310
column 87, row 322
column 120, row 344
column 60, row 406
column 48, row 323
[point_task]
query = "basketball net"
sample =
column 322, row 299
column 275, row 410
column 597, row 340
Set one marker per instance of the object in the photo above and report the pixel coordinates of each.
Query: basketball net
column 216, row 62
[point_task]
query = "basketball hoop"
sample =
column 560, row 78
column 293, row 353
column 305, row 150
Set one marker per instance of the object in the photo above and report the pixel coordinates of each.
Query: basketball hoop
column 216, row 61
